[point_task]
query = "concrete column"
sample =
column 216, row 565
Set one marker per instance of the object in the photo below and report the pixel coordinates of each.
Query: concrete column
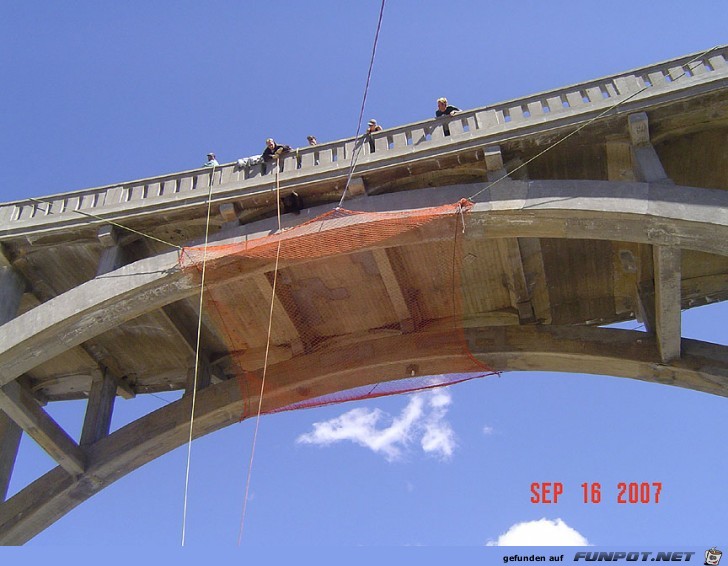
column 648, row 167
column 667, row 301
column 97, row 422
column 113, row 256
column 204, row 375
column 11, row 292
column 494, row 163
column 12, row 287
column 10, row 434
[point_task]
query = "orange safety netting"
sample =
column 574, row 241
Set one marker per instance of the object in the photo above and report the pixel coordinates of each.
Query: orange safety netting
column 365, row 304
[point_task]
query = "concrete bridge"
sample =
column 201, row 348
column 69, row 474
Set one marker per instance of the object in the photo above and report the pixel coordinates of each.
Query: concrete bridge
column 593, row 204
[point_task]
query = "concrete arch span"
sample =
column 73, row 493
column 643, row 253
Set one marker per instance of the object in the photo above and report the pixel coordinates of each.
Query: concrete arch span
column 660, row 215
column 625, row 353
column 627, row 212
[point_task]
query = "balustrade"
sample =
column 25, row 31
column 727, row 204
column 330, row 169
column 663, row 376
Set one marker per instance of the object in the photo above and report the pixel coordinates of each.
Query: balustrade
column 557, row 104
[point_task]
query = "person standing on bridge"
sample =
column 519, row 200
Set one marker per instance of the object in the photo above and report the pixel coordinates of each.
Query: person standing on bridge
column 372, row 127
column 211, row 161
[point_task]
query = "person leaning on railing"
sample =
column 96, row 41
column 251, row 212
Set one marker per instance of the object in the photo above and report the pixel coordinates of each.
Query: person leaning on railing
column 274, row 150
column 444, row 110
column 372, row 127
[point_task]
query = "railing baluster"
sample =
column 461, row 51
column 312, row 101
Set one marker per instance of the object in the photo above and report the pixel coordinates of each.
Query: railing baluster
column 480, row 122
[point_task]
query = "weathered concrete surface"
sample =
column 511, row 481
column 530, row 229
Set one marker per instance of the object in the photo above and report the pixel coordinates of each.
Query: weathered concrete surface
column 621, row 353
column 631, row 212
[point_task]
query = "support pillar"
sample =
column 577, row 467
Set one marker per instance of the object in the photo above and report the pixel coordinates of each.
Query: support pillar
column 648, row 167
column 12, row 287
column 667, row 301
column 10, row 434
column 494, row 163
column 97, row 422
column 114, row 256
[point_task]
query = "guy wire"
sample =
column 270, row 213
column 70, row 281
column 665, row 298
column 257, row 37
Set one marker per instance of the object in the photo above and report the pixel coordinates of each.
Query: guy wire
column 107, row 221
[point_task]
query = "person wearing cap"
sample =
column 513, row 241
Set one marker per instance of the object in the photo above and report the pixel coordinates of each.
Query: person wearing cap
column 443, row 109
column 211, row 161
column 312, row 140
column 372, row 127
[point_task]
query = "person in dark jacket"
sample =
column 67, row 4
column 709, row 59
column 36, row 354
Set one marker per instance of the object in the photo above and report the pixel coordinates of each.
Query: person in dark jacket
column 444, row 110
column 372, row 127
column 273, row 150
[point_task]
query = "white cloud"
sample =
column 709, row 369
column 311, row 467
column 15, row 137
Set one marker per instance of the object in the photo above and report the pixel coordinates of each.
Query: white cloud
column 438, row 437
column 488, row 430
column 543, row 532
column 423, row 417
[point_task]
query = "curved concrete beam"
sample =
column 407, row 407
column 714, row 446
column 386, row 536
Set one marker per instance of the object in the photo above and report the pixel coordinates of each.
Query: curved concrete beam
column 630, row 212
column 624, row 353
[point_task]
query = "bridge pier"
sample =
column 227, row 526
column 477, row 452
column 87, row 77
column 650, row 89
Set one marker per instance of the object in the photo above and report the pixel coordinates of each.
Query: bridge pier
column 12, row 287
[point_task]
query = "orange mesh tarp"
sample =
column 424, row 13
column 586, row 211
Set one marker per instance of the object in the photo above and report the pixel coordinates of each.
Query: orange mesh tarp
column 366, row 304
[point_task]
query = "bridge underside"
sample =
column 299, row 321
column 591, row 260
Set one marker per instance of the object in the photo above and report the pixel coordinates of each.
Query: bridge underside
column 642, row 250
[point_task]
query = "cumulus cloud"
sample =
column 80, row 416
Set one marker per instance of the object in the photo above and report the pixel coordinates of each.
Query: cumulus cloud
column 423, row 418
column 543, row 532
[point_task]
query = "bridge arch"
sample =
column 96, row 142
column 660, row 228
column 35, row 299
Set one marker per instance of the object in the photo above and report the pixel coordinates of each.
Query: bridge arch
column 629, row 212
column 656, row 214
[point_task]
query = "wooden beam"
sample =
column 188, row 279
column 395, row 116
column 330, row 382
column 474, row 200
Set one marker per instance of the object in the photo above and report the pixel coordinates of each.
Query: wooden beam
column 667, row 301
column 100, row 406
column 20, row 406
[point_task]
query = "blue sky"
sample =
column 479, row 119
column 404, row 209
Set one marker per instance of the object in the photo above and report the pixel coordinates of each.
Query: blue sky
column 99, row 92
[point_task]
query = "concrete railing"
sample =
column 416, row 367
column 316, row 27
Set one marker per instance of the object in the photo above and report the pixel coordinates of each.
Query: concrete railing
column 551, row 107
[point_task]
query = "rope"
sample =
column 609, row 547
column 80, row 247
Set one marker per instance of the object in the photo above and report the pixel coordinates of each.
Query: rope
column 355, row 154
column 37, row 200
column 588, row 123
column 265, row 363
column 197, row 359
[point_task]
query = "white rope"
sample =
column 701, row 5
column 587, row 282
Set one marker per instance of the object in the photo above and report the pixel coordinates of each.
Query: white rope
column 265, row 362
column 197, row 359
column 355, row 154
